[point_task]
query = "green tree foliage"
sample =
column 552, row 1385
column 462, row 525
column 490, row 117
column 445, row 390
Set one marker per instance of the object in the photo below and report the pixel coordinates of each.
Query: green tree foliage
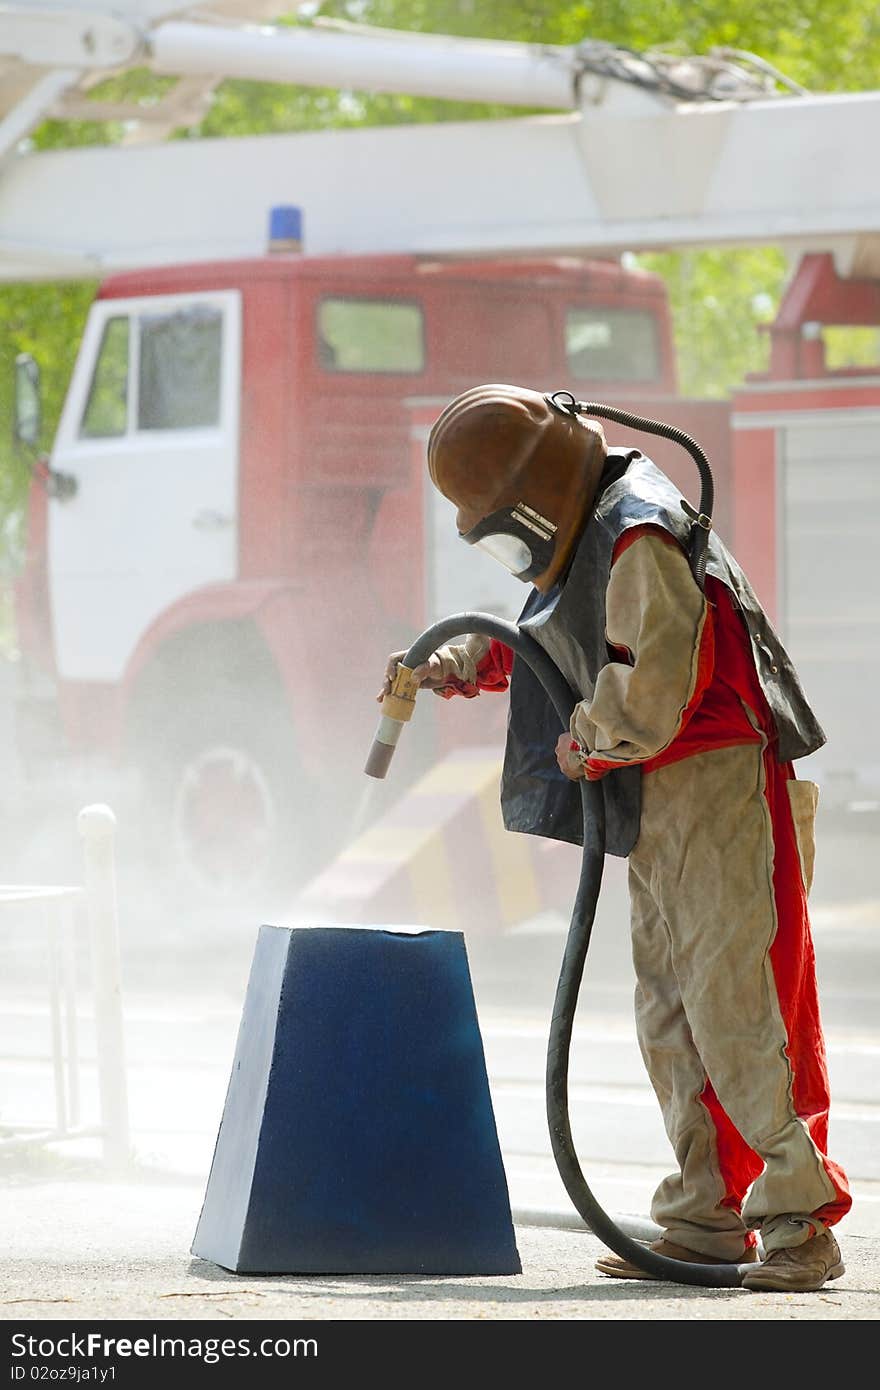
column 719, row 299
column 825, row 47
column 47, row 322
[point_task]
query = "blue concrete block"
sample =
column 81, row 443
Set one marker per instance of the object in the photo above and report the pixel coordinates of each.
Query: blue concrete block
column 358, row 1135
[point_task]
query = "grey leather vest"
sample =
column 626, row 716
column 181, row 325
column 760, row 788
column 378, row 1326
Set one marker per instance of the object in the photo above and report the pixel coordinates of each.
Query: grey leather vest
column 569, row 623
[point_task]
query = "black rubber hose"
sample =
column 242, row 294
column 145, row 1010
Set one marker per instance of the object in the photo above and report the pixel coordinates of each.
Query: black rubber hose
column 574, row 958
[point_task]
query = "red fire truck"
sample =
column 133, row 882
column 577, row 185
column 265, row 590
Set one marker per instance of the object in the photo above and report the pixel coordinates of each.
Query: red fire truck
column 234, row 525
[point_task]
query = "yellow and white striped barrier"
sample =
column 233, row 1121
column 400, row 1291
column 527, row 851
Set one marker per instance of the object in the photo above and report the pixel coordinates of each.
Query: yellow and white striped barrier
column 441, row 856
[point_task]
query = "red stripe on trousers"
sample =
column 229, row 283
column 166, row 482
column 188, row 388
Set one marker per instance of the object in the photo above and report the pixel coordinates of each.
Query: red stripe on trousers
column 794, row 970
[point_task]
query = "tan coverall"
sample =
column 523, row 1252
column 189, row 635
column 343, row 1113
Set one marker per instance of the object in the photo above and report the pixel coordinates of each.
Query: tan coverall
column 726, row 1001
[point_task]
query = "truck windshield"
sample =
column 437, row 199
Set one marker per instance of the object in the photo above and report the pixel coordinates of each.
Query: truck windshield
column 612, row 344
column 370, row 335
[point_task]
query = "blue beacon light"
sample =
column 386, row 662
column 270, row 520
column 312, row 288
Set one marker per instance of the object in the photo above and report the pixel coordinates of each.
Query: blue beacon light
column 285, row 228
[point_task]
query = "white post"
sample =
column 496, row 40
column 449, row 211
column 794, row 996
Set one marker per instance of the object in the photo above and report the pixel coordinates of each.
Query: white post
column 97, row 825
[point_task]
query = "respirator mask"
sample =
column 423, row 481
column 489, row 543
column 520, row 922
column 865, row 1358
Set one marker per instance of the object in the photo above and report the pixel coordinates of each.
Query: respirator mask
column 518, row 537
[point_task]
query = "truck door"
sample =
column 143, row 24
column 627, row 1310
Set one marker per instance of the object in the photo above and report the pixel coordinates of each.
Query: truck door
column 149, row 431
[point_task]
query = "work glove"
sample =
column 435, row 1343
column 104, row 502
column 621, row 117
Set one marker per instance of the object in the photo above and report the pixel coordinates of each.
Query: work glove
column 570, row 758
column 450, row 663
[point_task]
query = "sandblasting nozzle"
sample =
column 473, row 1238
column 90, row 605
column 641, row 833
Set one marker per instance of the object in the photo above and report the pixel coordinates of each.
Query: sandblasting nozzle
column 397, row 709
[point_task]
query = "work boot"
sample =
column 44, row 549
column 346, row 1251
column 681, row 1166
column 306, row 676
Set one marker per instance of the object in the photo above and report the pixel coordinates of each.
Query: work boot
column 798, row 1268
column 625, row 1269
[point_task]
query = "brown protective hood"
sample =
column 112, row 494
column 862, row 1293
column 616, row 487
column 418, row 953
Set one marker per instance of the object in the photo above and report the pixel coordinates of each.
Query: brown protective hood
column 497, row 445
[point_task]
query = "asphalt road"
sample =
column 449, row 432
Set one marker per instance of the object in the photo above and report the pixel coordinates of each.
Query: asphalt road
column 88, row 1243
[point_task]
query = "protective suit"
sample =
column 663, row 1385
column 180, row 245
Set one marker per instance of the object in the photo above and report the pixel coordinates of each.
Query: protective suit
column 691, row 714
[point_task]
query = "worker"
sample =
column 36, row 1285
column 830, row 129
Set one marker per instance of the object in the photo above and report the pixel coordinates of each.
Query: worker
column 690, row 716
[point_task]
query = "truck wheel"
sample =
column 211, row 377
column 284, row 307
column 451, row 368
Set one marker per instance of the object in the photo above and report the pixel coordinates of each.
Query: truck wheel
column 230, row 802
column 227, row 820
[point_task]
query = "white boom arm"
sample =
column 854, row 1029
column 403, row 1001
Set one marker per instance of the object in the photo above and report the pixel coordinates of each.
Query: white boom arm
column 627, row 169
column 515, row 74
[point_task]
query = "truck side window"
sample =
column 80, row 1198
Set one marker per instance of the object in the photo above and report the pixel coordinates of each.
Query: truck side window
column 612, row 344
column 850, row 345
column 370, row 335
column 106, row 412
column 179, row 376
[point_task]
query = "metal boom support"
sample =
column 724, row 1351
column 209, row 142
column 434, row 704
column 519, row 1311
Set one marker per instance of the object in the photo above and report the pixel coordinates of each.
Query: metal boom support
column 622, row 167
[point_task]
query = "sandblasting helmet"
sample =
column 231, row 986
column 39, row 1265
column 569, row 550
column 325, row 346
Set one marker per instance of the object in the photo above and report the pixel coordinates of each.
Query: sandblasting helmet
column 522, row 475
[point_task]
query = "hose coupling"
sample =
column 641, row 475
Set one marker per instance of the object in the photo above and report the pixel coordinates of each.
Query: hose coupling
column 400, row 701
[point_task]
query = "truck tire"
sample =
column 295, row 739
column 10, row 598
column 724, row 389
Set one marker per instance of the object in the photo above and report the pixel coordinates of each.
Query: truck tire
column 237, row 809
column 230, row 818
